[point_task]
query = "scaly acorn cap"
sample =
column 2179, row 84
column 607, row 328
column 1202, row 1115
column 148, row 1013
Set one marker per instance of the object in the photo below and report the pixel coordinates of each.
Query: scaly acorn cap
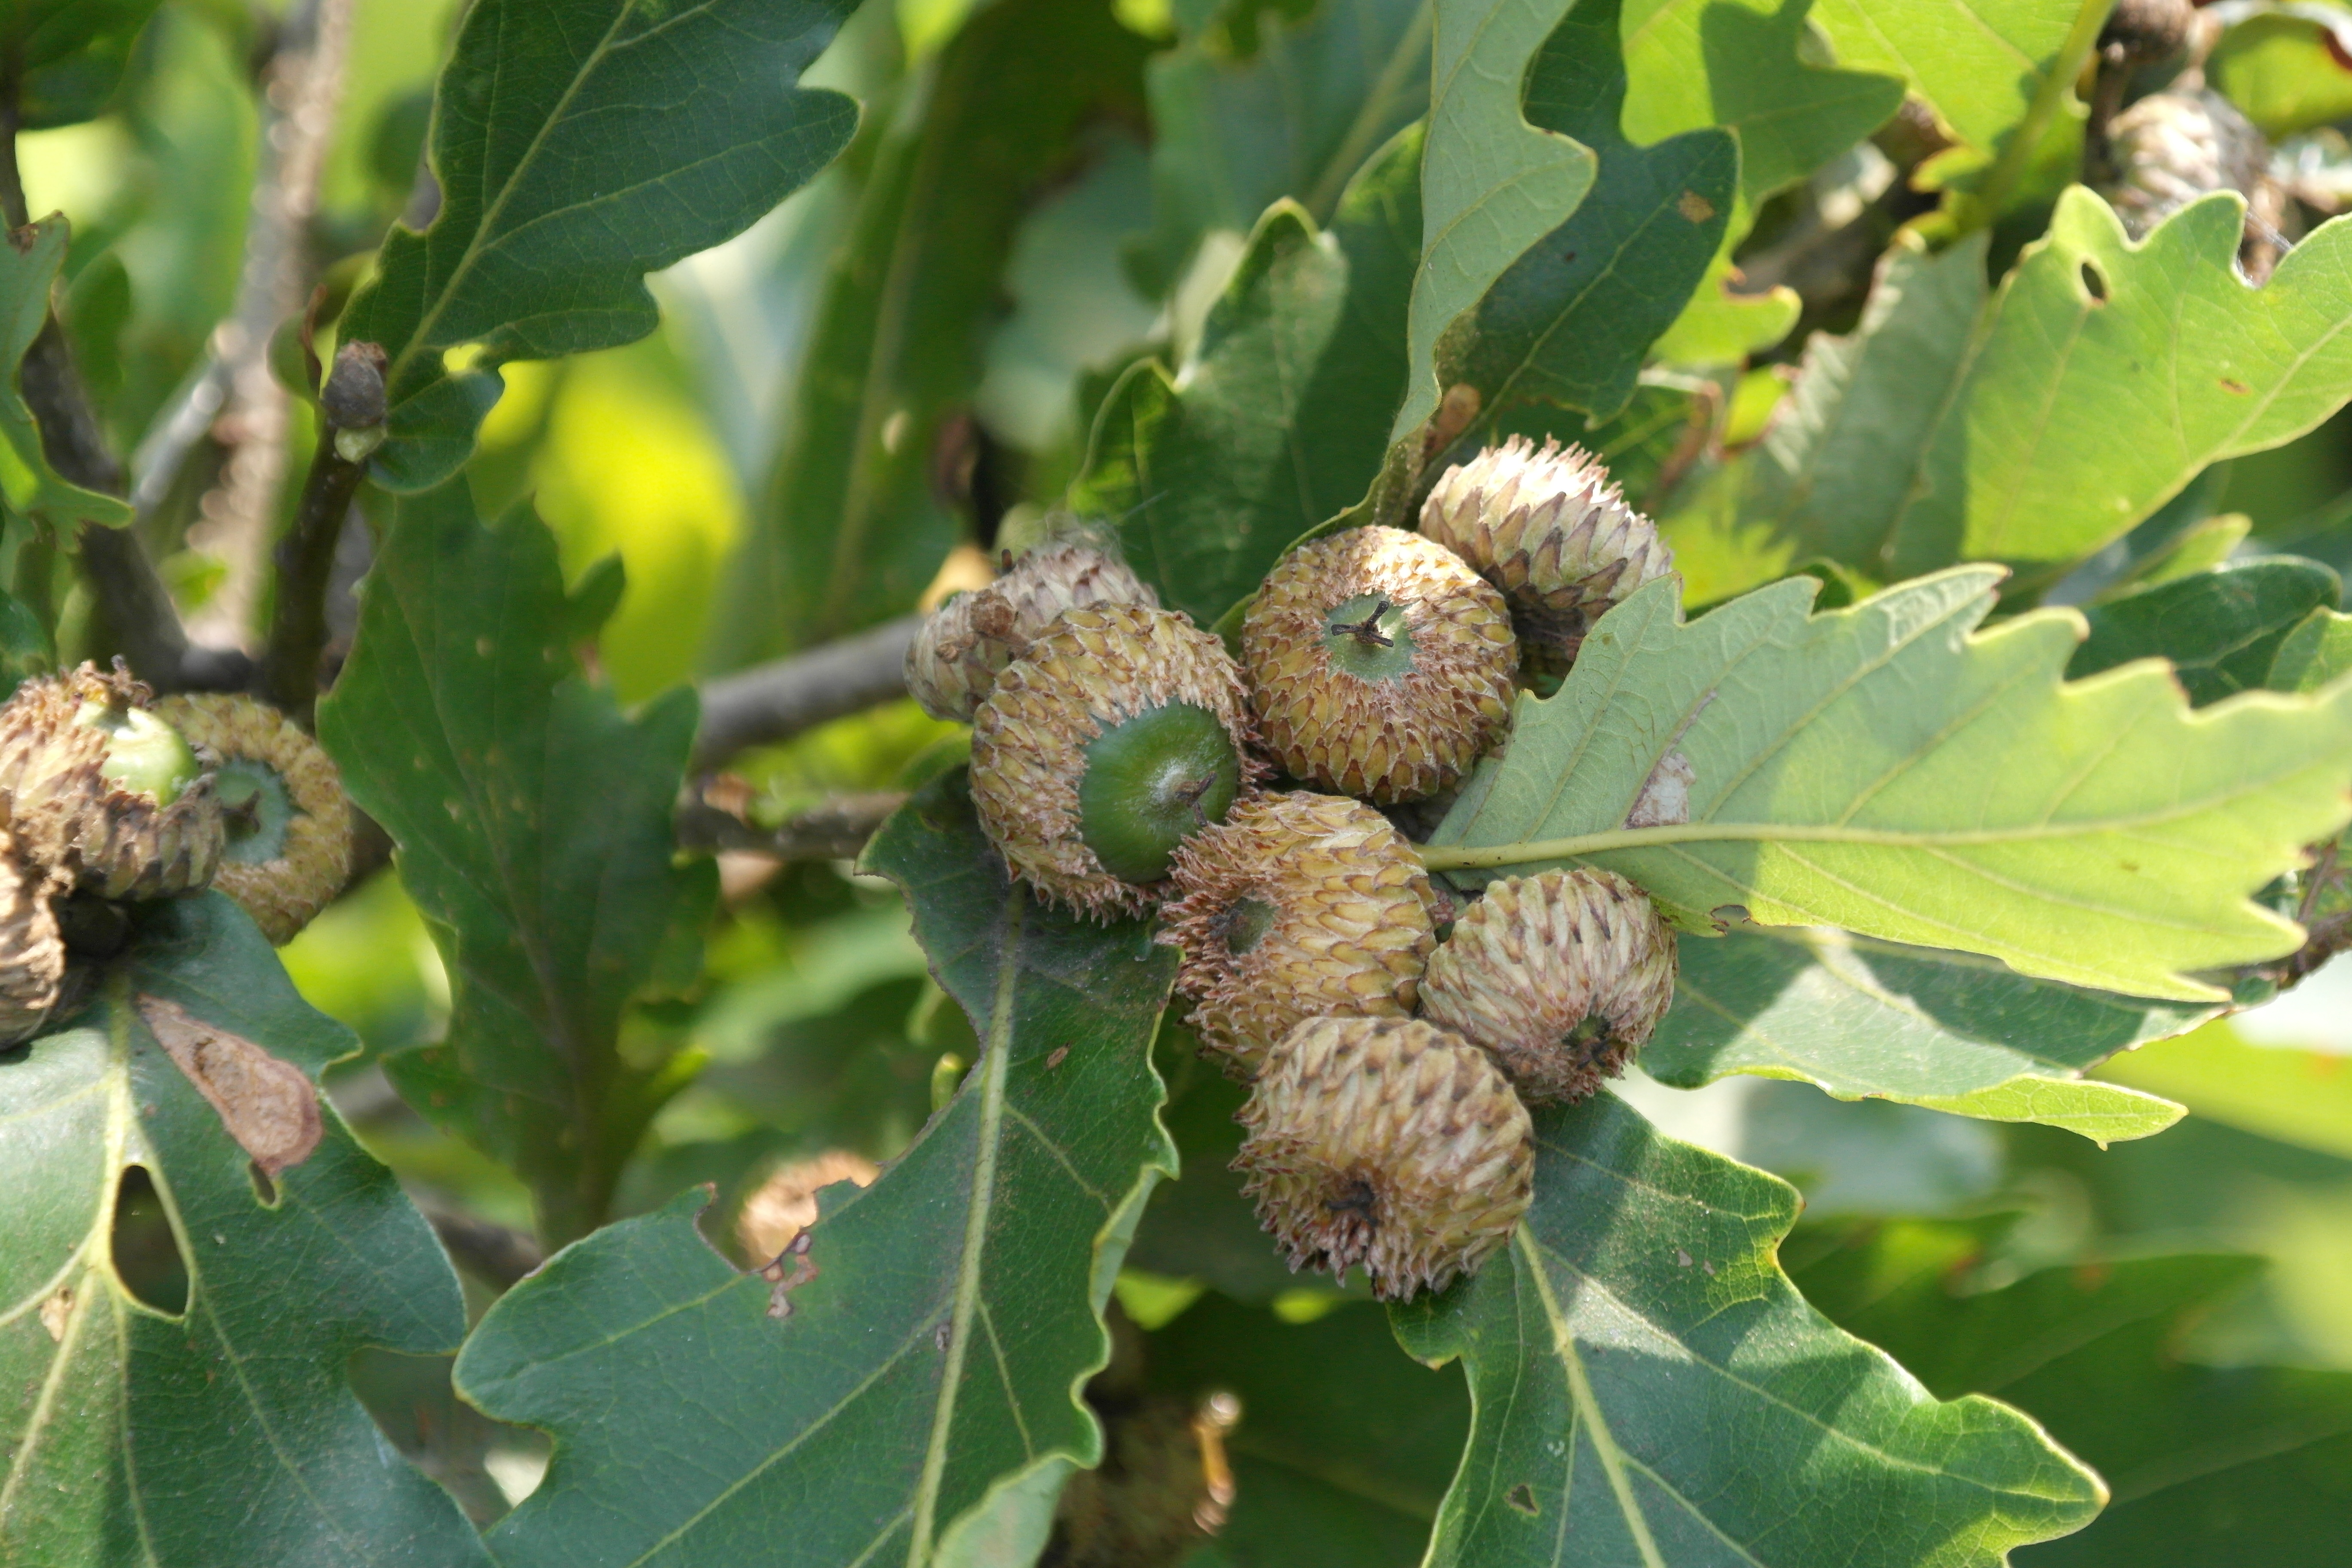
column 1552, row 531
column 1378, row 664
column 1121, row 730
column 957, row 656
column 289, row 849
column 1388, row 1144
column 1562, row 975
column 102, row 792
column 31, row 952
column 2170, row 148
column 1294, row 907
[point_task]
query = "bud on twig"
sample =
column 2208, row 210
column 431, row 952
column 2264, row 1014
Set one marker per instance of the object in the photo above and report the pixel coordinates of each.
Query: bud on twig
column 353, row 400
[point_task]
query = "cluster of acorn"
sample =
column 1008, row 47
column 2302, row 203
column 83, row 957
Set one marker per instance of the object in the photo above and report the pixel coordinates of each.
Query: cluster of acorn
column 1123, row 761
column 109, row 797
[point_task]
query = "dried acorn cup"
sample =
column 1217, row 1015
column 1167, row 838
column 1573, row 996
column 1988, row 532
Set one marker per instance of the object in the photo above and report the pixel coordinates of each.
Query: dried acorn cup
column 1387, row 1144
column 32, row 954
column 289, row 824
column 1122, row 730
column 957, row 656
column 1296, row 906
column 1379, row 665
column 1563, row 976
column 1552, row 532
column 104, row 791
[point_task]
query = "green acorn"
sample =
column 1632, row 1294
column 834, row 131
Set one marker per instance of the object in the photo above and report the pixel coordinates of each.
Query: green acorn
column 963, row 646
column 1378, row 665
column 1294, row 907
column 1552, row 532
column 1120, row 731
column 31, row 952
column 1562, row 975
column 1387, row 1144
column 289, row 824
column 105, row 791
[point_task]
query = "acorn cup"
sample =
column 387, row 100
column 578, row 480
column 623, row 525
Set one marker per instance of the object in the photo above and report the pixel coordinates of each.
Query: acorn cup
column 965, row 644
column 287, row 851
column 1554, row 533
column 2170, row 148
column 31, row 952
column 1296, row 906
column 1562, row 975
column 1386, row 1143
column 103, row 791
column 1380, row 666
column 1120, row 731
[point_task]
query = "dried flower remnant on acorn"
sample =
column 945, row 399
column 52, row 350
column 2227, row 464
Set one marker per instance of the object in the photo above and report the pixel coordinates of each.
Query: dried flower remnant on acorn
column 1119, row 733
column 966, row 643
column 1550, row 529
column 289, row 824
column 1380, row 666
column 1389, row 1144
column 1562, row 975
column 31, row 952
column 1296, row 906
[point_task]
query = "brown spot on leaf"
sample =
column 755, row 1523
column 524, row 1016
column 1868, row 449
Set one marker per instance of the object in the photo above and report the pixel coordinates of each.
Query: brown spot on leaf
column 1694, row 207
column 1523, row 1498
column 1060, row 1054
column 2230, row 384
column 268, row 1105
column 791, row 1269
column 1665, row 793
column 56, row 1311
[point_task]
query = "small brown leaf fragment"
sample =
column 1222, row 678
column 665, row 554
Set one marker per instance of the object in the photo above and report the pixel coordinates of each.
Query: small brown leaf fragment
column 1665, row 793
column 1060, row 1054
column 268, row 1105
column 790, row 1268
column 1694, row 207
column 56, row 1311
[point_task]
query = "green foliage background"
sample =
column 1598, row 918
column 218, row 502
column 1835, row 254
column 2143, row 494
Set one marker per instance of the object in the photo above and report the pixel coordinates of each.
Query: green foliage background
column 1890, row 1257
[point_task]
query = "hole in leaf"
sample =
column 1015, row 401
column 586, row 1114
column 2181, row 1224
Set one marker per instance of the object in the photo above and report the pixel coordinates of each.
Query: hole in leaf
column 265, row 1186
column 147, row 1256
column 1523, row 1498
column 2095, row 283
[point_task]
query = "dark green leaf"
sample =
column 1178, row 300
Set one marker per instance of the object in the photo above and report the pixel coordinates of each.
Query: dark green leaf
column 2317, row 651
column 2207, row 1465
column 2220, row 630
column 30, row 488
column 920, row 1358
column 1569, row 321
column 1863, row 1018
column 1279, row 421
column 68, row 56
column 1198, row 1226
column 580, row 145
column 1297, row 118
column 1344, row 1445
column 226, row 1431
column 533, row 825
column 851, row 527
column 1650, row 1388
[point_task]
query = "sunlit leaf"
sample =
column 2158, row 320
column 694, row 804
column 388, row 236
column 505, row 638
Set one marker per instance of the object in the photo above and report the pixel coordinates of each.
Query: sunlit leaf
column 581, row 145
column 1649, row 1388
column 1891, row 769
column 2277, row 65
column 1977, row 64
column 920, row 1356
column 2302, row 1097
column 225, row 1432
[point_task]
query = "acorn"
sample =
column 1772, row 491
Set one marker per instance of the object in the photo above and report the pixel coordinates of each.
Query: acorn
column 1162, row 1487
column 1553, row 532
column 1562, row 975
column 105, row 792
column 1296, row 906
column 2170, row 148
column 963, row 646
column 31, row 952
column 1388, row 1144
column 1378, row 664
column 289, row 824
column 1122, row 730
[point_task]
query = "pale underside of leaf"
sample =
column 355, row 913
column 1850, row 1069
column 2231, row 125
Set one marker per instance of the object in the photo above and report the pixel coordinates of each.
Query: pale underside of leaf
column 1892, row 770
